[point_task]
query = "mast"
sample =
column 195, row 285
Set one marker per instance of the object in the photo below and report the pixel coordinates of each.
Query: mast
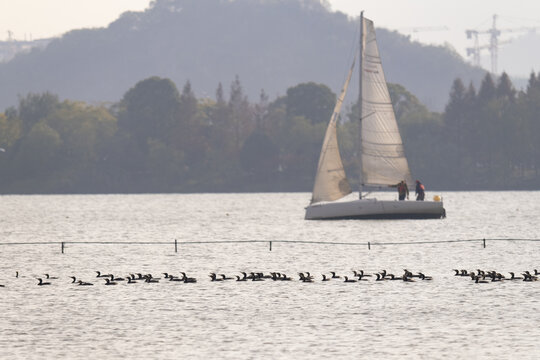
column 360, row 67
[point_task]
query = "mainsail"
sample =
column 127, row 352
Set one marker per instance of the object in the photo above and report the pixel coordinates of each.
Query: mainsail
column 330, row 181
column 383, row 157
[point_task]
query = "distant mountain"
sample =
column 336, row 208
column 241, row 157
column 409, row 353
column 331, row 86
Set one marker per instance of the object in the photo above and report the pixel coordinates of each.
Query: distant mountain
column 269, row 44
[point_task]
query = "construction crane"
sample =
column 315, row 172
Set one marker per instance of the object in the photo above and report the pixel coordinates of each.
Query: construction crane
column 494, row 42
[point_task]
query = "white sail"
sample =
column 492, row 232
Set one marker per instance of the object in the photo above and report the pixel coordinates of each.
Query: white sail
column 383, row 157
column 330, row 181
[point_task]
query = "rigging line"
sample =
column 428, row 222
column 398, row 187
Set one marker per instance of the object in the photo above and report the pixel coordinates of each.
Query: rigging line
column 368, row 115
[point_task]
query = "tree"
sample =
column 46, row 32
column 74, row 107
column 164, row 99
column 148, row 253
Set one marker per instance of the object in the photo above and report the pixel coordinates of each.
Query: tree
column 456, row 118
column 241, row 114
column 84, row 130
column 35, row 107
column 505, row 89
column 487, row 91
column 313, row 101
column 261, row 111
column 150, row 109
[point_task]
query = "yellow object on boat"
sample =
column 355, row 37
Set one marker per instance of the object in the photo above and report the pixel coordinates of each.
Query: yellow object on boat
column 436, row 198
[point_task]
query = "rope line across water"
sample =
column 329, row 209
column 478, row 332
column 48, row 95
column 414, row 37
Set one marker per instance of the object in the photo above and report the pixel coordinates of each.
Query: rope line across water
column 176, row 242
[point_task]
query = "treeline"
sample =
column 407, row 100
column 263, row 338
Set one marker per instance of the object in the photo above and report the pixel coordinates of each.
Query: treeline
column 160, row 139
column 492, row 136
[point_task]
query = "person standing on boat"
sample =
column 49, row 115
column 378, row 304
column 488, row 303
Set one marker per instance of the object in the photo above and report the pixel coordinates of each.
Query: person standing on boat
column 403, row 190
column 420, row 191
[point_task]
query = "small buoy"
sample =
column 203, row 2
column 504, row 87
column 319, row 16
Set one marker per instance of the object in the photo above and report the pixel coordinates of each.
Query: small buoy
column 436, row 198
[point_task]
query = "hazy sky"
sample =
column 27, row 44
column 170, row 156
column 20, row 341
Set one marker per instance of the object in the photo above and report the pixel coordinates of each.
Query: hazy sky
column 46, row 18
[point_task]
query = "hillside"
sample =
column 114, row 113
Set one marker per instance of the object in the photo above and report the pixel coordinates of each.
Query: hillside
column 269, row 44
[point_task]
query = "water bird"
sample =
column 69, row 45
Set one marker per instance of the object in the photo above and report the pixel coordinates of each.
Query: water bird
column 99, row 274
column 462, row 272
column 263, row 276
column 513, row 277
column 257, row 277
column 238, row 278
column 305, row 278
column 41, row 283
column 481, row 272
column 409, row 274
column 406, row 278
column 50, row 277
column 347, row 280
column 187, row 279
column 334, row 276
column 528, row 277
column 324, row 278
column 214, row 277
column 478, row 281
column 284, row 277
column 149, row 279
column 116, row 279
column 2, row 285
column 74, row 279
column 109, row 282
column 363, row 274
column 16, row 274
column 245, row 275
column 275, row 276
column 131, row 281
column 424, row 277
column 82, row 283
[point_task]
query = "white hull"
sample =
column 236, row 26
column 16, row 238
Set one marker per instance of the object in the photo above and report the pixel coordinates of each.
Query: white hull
column 376, row 209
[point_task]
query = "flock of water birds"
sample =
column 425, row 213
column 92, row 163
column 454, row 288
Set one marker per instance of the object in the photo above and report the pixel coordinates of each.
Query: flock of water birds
column 488, row 276
column 478, row 276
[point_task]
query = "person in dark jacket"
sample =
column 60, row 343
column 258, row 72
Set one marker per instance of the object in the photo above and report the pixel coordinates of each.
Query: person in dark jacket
column 420, row 191
column 403, row 190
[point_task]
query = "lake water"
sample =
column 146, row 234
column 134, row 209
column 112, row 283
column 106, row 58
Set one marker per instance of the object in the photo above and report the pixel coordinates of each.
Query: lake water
column 447, row 318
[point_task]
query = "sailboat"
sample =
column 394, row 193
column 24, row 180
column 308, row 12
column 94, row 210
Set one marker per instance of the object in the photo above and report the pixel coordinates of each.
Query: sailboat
column 382, row 160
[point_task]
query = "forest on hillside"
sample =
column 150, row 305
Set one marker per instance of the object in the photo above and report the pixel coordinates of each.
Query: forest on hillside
column 270, row 44
column 162, row 139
